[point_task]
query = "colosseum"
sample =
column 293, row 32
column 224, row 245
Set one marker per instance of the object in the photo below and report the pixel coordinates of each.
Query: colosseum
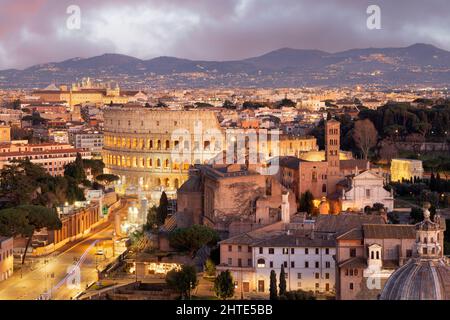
column 149, row 148
column 139, row 144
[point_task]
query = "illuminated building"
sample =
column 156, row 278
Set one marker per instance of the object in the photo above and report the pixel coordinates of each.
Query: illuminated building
column 5, row 134
column 51, row 156
column 6, row 258
column 406, row 169
column 88, row 92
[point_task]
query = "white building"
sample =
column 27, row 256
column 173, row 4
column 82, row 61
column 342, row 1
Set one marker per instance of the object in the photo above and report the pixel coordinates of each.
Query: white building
column 308, row 263
column 6, row 258
column 92, row 141
column 365, row 189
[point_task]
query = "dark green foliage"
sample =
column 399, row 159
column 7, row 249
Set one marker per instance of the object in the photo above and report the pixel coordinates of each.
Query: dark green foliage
column 298, row 295
column 75, row 170
column 152, row 221
column 107, row 178
column 282, row 284
column 193, row 238
column 163, row 208
column 210, row 268
column 96, row 166
column 306, row 202
column 183, row 281
column 273, row 285
column 224, row 285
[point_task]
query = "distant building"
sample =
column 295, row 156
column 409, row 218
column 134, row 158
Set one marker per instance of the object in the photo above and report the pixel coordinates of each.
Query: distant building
column 406, row 169
column 5, row 134
column 6, row 258
column 92, row 141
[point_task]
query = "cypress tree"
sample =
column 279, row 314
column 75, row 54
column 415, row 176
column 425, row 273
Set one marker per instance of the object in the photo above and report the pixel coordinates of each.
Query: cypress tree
column 282, row 284
column 273, row 285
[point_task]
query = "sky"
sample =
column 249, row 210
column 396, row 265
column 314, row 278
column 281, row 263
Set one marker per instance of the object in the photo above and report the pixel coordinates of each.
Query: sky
column 36, row 31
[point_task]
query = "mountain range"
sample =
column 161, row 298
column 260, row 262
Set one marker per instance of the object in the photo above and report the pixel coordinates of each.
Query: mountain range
column 420, row 64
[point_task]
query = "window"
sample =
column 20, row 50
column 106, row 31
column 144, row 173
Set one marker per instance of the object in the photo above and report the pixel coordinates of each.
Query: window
column 306, row 264
column 327, row 264
column 292, row 264
column 239, row 262
column 271, row 264
column 351, row 272
column 351, row 285
column 327, row 250
column 317, row 250
column 299, row 275
column 352, row 252
column 230, row 248
column 356, row 272
column 317, row 275
column 261, row 263
column 239, row 248
column 306, row 251
column 346, row 272
column 367, row 193
column 292, row 251
column 249, row 249
column 271, row 250
column 249, row 262
column 285, row 250
column 409, row 253
column 260, row 250
column 317, row 264
column 285, row 264
column 327, row 275
column 230, row 261
column 299, row 285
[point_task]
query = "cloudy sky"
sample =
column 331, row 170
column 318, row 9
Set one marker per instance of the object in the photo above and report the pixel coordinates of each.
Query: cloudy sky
column 35, row 31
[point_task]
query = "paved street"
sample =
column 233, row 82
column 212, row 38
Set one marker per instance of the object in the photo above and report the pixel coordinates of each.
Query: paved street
column 62, row 275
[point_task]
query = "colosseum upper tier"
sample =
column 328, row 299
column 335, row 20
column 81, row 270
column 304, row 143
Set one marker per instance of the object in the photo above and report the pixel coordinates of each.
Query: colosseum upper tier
column 140, row 144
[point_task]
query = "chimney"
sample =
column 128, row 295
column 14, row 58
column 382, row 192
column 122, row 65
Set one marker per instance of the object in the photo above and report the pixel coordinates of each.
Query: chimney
column 285, row 217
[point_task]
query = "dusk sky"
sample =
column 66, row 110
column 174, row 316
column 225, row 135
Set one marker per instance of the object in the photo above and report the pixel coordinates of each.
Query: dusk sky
column 35, row 31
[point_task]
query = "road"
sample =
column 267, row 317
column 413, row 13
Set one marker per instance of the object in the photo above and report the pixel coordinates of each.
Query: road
column 62, row 276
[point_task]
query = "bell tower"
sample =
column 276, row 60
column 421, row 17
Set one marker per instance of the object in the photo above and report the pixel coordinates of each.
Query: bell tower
column 332, row 146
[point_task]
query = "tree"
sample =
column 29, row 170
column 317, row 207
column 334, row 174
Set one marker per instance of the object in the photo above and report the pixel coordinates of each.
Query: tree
column 163, row 208
column 75, row 170
column 107, row 178
column 193, row 238
column 25, row 220
column 298, row 295
column 282, row 284
column 273, row 285
column 224, row 285
column 152, row 220
column 210, row 268
column 183, row 281
column 365, row 136
column 306, row 202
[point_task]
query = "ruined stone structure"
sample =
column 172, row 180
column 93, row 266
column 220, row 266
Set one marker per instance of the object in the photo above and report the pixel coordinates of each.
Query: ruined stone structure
column 139, row 144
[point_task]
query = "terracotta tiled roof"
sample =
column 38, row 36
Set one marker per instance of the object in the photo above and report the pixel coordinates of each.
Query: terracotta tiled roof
column 389, row 231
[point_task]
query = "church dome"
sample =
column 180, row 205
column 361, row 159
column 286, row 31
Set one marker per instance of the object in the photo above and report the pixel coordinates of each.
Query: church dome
column 419, row 279
column 426, row 276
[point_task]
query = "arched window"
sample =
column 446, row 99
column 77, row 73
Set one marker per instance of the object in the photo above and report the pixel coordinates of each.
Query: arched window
column 158, row 163
column 166, row 163
column 167, row 144
column 150, row 144
column 372, row 255
column 261, row 263
column 176, row 183
column 324, row 188
column 378, row 255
